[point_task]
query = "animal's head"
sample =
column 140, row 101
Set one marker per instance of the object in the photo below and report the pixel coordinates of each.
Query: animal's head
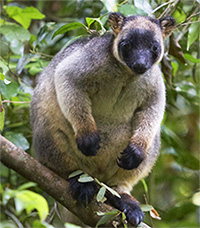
column 138, row 40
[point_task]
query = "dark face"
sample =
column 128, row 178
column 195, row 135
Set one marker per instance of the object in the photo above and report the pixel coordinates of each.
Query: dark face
column 139, row 50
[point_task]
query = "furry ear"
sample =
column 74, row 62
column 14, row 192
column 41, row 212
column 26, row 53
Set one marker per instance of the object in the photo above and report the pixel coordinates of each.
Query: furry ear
column 167, row 26
column 115, row 21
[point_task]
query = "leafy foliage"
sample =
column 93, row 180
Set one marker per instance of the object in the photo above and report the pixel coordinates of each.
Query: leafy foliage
column 33, row 32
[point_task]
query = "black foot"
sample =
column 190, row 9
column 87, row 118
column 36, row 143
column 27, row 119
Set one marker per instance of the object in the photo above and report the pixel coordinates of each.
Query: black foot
column 129, row 206
column 82, row 192
column 89, row 144
column 131, row 157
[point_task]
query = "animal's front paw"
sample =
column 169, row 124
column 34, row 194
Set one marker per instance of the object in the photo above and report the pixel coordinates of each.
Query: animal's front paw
column 131, row 157
column 89, row 144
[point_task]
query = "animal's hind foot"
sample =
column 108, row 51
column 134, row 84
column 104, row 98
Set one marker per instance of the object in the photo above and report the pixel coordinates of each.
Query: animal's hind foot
column 129, row 206
column 82, row 192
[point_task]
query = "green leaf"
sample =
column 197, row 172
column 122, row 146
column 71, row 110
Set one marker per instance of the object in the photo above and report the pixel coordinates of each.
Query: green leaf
column 29, row 201
column 186, row 159
column 4, row 67
column 9, row 90
column 27, row 185
column 75, row 173
column 85, row 178
column 7, row 224
column 143, row 5
column 41, row 224
column 16, row 35
column 143, row 225
column 146, row 208
column 101, row 194
column 111, row 5
column 124, row 220
column 145, row 186
column 69, row 27
column 179, row 16
column 24, row 60
column 127, row 10
column 70, row 225
column 14, row 32
column 2, row 76
column 90, row 21
column 18, row 139
column 19, row 14
column 196, row 199
column 2, row 116
column 8, row 194
column 107, row 217
column 111, row 190
column 191, row 58
column 193, row 33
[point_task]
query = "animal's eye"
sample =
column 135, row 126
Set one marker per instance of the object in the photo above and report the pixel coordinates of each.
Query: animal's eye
column 155, row 47
column 125, row 44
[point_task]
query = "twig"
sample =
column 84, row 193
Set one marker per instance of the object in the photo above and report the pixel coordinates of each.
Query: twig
column 12, row 216
column 42, row 54
column 169, row 7
column 164, row 4
column 184, row 30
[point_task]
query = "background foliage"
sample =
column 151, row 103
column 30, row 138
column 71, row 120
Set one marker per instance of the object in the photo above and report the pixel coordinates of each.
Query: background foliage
column 32, row 32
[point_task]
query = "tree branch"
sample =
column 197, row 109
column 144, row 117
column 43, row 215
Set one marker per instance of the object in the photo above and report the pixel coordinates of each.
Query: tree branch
column 57, row 187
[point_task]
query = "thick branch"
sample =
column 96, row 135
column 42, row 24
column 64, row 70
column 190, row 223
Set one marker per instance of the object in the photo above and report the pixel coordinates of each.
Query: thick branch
column 18, row 160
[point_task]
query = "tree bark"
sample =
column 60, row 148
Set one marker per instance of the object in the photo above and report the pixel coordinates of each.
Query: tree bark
column 57, row 187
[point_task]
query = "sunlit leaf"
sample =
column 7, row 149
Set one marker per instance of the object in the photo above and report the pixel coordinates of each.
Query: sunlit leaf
column 29, row 201
column 179, row 16
column 2, row 76
column 191, row 58
column 18, row 14
column 85, row 178
column 146, row 208
column 110, row 5
column 75, row 173
column 70, row 225
column 101, row 194
column 196, row 199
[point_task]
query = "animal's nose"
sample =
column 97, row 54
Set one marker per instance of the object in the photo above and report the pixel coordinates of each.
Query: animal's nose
column 139, row 68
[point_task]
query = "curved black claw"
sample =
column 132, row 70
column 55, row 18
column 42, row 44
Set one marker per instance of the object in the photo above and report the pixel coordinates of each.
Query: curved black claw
column 89, row 144
column 82, row 192
column 131, row 157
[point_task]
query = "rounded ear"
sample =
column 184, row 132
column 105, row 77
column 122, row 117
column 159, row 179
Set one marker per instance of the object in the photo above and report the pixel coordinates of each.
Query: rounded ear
column 167, row 26
column 115, row 21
